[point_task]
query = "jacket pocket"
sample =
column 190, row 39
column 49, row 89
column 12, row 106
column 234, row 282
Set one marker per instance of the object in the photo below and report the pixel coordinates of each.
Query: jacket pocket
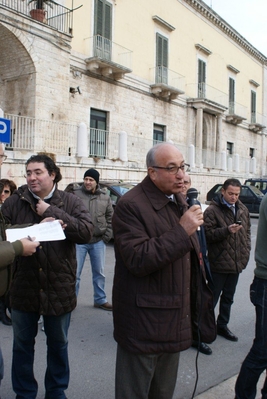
column 158, row 317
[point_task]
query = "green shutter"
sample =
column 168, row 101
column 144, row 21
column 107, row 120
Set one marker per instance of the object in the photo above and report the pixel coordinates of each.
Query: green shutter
column 103, row 15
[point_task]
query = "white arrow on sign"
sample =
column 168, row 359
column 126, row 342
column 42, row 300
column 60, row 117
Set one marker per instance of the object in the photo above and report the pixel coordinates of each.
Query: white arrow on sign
column 3, row 127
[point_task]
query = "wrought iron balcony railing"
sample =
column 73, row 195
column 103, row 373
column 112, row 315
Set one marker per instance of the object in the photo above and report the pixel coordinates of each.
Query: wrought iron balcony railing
column 56, row 16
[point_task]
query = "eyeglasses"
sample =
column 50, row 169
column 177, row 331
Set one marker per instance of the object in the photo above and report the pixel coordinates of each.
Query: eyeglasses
column 6, row 191
column 173, row 170
column 4, row 157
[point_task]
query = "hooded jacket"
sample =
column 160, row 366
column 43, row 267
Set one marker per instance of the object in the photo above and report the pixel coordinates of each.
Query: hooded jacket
column 45, row 281
column 100, row 208
column 227, row 252
column 156, row 290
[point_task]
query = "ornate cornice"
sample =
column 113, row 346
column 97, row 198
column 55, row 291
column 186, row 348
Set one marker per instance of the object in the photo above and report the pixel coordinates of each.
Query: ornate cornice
column 220, row 23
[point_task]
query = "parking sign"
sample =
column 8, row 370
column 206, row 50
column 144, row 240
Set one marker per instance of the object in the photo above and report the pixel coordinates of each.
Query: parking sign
column 5, row 130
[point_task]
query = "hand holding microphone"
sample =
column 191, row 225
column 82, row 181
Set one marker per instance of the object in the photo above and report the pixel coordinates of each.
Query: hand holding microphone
column 193, row 218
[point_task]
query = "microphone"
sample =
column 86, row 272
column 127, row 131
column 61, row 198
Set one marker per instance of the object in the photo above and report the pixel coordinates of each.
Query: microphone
column 192, row 195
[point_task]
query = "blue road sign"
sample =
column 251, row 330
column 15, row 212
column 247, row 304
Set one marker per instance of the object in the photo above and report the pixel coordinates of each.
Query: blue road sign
column 5, row 130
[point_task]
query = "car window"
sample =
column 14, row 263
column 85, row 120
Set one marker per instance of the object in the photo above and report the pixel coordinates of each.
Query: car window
column 246, row 192
column 256, row 191
column 122, row 189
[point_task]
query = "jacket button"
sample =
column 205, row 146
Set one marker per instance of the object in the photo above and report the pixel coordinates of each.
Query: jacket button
column 40, row 269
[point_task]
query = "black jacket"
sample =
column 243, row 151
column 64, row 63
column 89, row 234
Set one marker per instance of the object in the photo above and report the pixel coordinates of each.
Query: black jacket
column 45, row 281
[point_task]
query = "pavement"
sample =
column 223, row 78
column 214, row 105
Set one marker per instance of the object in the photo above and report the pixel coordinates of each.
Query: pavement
column 226, row 390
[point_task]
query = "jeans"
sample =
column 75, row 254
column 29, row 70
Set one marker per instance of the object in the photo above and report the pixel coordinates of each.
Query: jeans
column 256, row 361
column 25, row 328
column 224, row 284
column 1, row 366
column 97, row 252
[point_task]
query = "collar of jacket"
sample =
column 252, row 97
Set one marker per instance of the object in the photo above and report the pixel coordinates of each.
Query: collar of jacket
column 157, row 198
column 24, row 193
column 218, row 200
column 98, row 191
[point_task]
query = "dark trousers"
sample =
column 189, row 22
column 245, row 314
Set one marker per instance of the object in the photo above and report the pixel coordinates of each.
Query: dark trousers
column 145, row 376
column 224, row 286
column 256, row 361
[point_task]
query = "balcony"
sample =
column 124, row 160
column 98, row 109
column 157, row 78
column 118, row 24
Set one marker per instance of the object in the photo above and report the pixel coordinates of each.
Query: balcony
column 208, row 98
column 168, row 84
column 57, row 16
column 258, row 122
column 236, row 113
column 108, row 58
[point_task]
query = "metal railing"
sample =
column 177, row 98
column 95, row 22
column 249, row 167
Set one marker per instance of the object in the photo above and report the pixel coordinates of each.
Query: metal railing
column 98, row 143
column 212, row 94
column 35, row 135
column 235, row 108
column 255, row 117
column 56, row 16
column 40, row 135
column 103, row 48
column 161, row 74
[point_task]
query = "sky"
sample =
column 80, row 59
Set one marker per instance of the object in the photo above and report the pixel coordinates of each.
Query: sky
column 248, row 17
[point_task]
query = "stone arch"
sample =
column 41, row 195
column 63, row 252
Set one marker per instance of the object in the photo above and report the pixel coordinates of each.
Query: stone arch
column 17, row 73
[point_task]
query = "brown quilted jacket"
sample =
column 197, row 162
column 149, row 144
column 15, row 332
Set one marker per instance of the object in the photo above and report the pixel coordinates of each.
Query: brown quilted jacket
column 227, row 253
column 153, row 305
column 45, row 281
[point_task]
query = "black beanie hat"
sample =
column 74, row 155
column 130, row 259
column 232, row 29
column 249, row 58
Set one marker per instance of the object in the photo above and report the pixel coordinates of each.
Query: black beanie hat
column 92, row 173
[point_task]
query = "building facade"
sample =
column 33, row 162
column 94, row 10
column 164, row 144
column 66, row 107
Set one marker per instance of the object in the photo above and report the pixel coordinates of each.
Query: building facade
column 97, row 85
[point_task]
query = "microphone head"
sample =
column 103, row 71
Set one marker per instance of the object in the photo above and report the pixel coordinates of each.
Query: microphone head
column 192, row 193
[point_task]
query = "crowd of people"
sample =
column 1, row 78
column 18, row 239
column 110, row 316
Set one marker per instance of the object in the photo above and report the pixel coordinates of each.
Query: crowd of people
column 173, row 264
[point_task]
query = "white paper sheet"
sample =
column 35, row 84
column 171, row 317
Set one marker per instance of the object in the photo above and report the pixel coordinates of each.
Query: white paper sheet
column 46, row 231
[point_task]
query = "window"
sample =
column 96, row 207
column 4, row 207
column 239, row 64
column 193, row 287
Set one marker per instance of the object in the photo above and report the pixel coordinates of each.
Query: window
column 231, row 96
column 161, row 59
column 253, row 106
column 251, row 152
column 102, row 29
column 201, row 79
column 230, row 148
column 158, row 134
column 98, row 133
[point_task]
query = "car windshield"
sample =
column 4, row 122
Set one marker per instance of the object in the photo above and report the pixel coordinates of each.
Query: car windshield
column 256, row 191
column 122, row 189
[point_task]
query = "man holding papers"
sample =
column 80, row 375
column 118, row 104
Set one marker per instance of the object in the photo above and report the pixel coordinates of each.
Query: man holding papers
column 44, row 284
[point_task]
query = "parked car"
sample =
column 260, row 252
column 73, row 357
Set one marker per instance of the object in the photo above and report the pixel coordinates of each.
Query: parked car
column 115, row 189
column 259, row 183
column 250, row 196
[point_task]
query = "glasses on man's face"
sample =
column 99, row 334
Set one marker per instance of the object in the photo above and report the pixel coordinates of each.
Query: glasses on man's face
column 6, row 192
column 173, row 170
column 3, row 157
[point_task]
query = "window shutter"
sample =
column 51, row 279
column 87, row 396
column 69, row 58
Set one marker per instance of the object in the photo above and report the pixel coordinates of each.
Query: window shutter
column 231, row 90
column 103, row 13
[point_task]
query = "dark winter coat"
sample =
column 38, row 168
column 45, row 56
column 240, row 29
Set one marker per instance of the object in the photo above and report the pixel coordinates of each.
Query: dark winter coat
column 100, row 208
column 45, row 281
column 152, row 293
column 227, row 252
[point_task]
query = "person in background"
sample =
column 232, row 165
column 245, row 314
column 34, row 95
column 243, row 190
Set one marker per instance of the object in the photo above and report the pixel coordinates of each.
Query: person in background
column 99, row 205
column 158, row 279
column 227, row 228
column 201, row 346
column 8, row 189
column 44, row 283
column 255, row 362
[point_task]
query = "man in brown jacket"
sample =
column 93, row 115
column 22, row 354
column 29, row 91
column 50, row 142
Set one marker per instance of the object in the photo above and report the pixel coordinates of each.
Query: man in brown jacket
column 157, row 279
column 44, row 283
column 227, row 228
